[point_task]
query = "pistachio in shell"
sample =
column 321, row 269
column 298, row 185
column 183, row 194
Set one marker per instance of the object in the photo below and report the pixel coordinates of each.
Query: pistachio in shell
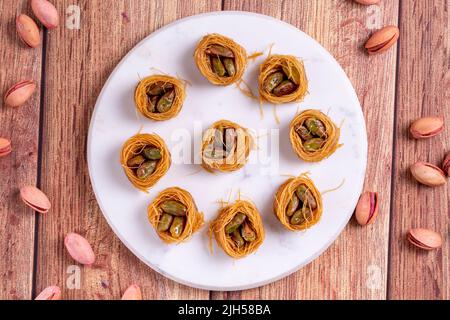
column 428, row 174
column 133, row 292
column 49, row 293
column 28, row 31
column 424, row 238
column 382, row 40
column 19, row 93
column 5, row 147
column 367, row 208
column 46, row 13
column 426, row 127
column 79, row 249
column 35, row 199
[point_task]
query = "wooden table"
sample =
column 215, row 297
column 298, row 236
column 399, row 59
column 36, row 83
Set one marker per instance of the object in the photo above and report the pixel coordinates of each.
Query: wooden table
column 49, row 140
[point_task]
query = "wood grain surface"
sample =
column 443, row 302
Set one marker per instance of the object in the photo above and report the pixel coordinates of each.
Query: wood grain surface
column 423, row 89
column 49, row 135
column 21, row 126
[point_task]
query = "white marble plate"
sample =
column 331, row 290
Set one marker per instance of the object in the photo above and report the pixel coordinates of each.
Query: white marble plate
column 170, row 50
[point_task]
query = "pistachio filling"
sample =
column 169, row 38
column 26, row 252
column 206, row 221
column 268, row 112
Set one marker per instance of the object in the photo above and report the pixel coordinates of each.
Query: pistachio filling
column 160, row 97
column 313, row 134
column 173, row 218
column 279, row 83
column 144, row 163
column 301, row 206
column 239, row 230
column 223, row 144
column 222, row 60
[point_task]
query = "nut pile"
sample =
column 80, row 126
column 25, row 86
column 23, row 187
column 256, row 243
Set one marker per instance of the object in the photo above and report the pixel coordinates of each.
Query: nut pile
column 160, row 97
column 224, row 143
column 301, row 205
column 240, row 230
column 144, row 163
column 279, row 84
column 313, row 134
column 222, row 60
column 173, row 218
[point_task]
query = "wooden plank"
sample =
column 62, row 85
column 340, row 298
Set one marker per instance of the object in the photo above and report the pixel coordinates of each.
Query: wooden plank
column 355, row 267
column 78, row 64
column 21, row 125
column 423, row 89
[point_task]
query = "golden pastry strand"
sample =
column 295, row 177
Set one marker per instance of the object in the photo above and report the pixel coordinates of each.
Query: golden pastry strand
column 220, row 60
column 313, row 135
column 282, row 79
column 174, row 215
column 298, row 203
column 159, row 97
column 225, row 146
column 145, row 159
column 238, row 229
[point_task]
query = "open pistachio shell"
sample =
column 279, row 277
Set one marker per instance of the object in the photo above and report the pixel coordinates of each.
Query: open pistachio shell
column 367, row 208
column 79, row 249
column 19, row 93
column 46, row 13
column 35, row 199
column 424, row 238
column 382, row 40
column 50, row 293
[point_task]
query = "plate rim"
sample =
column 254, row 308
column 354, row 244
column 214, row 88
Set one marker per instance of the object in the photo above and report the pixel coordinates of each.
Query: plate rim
column 326, row 246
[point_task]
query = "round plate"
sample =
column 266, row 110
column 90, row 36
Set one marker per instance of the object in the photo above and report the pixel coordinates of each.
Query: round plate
column 170, row 50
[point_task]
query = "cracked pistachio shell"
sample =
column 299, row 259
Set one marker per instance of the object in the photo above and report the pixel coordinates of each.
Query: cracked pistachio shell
column 19, row 93
column 424, row 238
column 133, row 292
column 79, row 249
column 28, row 31
column 46, row 13
column 50, row 293
column 35, row 199
column 367, row 208
column 382, row 40
column 428, row 174
column 426, row 127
